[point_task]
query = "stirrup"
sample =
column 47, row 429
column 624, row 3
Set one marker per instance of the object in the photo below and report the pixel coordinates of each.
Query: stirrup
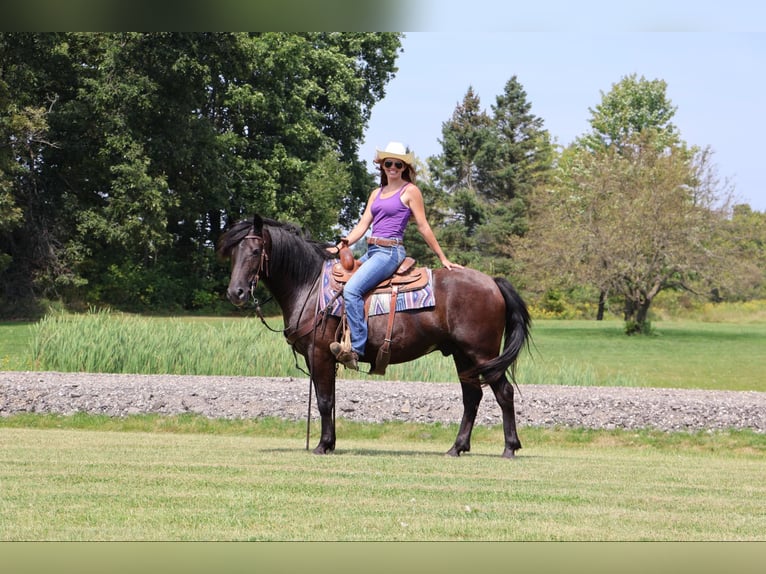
column 348, row 357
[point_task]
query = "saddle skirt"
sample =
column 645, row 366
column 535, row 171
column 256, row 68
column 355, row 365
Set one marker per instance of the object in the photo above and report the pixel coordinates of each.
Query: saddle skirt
column 414, row 284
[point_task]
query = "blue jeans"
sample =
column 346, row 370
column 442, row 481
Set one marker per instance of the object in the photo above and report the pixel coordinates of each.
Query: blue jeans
column 378, row 264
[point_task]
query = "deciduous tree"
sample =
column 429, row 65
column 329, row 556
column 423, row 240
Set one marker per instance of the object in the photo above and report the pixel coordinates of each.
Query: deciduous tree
column 126, row 154
column 633, row 210
column 632, row 222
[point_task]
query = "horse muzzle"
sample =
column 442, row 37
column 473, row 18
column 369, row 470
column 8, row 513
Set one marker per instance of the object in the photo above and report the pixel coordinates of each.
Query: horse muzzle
column 238, row 295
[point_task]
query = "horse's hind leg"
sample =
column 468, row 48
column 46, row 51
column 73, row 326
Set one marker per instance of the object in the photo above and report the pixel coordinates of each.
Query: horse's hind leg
column 471, row 398
column 503, row 390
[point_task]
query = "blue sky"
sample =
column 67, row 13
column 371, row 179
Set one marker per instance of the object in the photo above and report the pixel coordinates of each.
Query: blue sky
column 713, row 62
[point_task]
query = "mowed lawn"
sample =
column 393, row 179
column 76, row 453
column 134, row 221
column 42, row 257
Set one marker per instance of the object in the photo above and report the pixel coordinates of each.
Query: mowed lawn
column 680, row 354
column 71, row 484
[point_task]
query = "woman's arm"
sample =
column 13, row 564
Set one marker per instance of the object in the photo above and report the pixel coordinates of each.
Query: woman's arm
column 413, row 198
column 363, row 224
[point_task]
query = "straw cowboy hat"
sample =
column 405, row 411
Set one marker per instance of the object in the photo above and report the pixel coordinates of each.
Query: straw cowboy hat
column 395, row 150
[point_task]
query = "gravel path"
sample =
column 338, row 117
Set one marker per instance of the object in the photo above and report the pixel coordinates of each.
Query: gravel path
column 378, row 400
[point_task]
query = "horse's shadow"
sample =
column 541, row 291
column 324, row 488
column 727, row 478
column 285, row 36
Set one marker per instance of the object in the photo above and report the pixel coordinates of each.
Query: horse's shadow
column 371, row 452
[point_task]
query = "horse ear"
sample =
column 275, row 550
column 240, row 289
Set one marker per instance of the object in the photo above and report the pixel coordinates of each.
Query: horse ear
column 257, row 223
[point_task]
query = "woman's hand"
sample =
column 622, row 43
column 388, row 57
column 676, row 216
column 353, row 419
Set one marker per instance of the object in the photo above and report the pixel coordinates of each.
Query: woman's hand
column 341, row 244
column 449, row 265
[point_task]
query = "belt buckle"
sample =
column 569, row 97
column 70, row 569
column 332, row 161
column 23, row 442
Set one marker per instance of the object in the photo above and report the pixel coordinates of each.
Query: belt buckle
column 384, row 242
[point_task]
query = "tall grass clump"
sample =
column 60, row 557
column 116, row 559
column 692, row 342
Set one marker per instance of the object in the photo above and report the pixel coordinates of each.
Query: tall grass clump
column 106, row 342
column 738, row 312
column 680, row 354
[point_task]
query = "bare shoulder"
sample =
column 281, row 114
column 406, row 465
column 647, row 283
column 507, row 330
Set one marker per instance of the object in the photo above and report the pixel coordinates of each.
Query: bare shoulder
column 412, row 191
column 372, row 196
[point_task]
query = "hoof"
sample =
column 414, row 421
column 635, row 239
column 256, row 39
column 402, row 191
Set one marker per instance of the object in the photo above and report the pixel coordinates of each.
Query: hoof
column 455, row 451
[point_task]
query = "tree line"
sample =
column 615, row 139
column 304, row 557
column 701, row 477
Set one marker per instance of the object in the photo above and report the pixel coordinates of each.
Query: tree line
column 123, row 157
column 625, row 212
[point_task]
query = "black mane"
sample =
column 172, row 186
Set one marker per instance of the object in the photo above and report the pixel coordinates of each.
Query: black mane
column 292, row 249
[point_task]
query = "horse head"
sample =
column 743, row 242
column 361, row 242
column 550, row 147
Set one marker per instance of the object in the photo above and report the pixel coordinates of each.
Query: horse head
column 246, row 243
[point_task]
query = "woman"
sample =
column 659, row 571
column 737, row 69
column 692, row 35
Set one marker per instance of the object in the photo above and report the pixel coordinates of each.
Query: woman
column 389, row 209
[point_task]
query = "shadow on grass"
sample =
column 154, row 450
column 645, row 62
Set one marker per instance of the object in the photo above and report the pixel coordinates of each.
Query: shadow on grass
column 373, row 452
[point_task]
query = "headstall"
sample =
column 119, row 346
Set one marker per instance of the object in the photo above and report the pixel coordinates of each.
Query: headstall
column 262, row 262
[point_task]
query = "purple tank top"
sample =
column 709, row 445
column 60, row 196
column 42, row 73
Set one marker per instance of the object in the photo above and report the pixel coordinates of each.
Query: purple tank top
column 390, row 215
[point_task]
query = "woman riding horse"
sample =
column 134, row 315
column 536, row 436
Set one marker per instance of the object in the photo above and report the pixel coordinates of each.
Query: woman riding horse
column 388, row 211
column 481, row 322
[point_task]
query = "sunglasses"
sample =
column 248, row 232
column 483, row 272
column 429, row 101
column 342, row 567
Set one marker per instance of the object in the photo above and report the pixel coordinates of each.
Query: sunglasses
column 388, row 163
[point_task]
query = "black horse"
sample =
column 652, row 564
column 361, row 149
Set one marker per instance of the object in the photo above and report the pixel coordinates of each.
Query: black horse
column 472, row 314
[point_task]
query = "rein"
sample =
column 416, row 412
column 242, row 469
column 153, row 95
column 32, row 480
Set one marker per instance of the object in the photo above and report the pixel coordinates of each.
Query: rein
column 292, row 334
column 259, row 311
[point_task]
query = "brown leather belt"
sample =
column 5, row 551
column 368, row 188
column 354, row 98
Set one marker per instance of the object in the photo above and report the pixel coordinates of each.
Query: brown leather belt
column 383, row 242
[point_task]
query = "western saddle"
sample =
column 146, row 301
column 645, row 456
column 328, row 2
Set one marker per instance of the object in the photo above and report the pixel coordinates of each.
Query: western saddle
column 406, row 278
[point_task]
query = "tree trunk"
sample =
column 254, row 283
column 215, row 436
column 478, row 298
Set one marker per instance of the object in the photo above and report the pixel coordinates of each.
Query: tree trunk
column 636, row 317
column 629, row 310
column 601, row 305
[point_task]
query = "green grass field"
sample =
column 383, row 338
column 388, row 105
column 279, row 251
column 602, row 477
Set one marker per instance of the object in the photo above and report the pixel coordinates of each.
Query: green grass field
column 249, row 484
column 86, row 477
column 681, row 354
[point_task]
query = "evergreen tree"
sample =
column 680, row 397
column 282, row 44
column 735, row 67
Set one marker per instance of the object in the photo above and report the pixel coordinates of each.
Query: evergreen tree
column 455, row 172
column 518, row 161
column 488, row 168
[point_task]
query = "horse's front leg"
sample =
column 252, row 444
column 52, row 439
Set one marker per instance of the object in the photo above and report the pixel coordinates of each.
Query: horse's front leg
column 471, row 398
column 323, row 372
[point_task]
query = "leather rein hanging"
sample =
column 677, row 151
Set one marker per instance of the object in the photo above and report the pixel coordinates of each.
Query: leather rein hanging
column 292, row 334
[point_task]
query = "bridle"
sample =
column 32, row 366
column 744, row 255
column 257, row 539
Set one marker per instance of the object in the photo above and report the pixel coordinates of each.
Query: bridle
column 291, row 333
column 263, row 261
column 255, row 275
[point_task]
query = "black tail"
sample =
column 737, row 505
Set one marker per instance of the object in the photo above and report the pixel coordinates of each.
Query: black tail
column 517, row 333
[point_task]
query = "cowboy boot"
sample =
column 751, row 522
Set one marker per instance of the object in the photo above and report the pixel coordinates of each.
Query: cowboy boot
column 348, row 357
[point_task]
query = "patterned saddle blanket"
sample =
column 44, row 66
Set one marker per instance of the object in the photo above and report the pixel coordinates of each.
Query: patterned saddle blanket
column 379, row 303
